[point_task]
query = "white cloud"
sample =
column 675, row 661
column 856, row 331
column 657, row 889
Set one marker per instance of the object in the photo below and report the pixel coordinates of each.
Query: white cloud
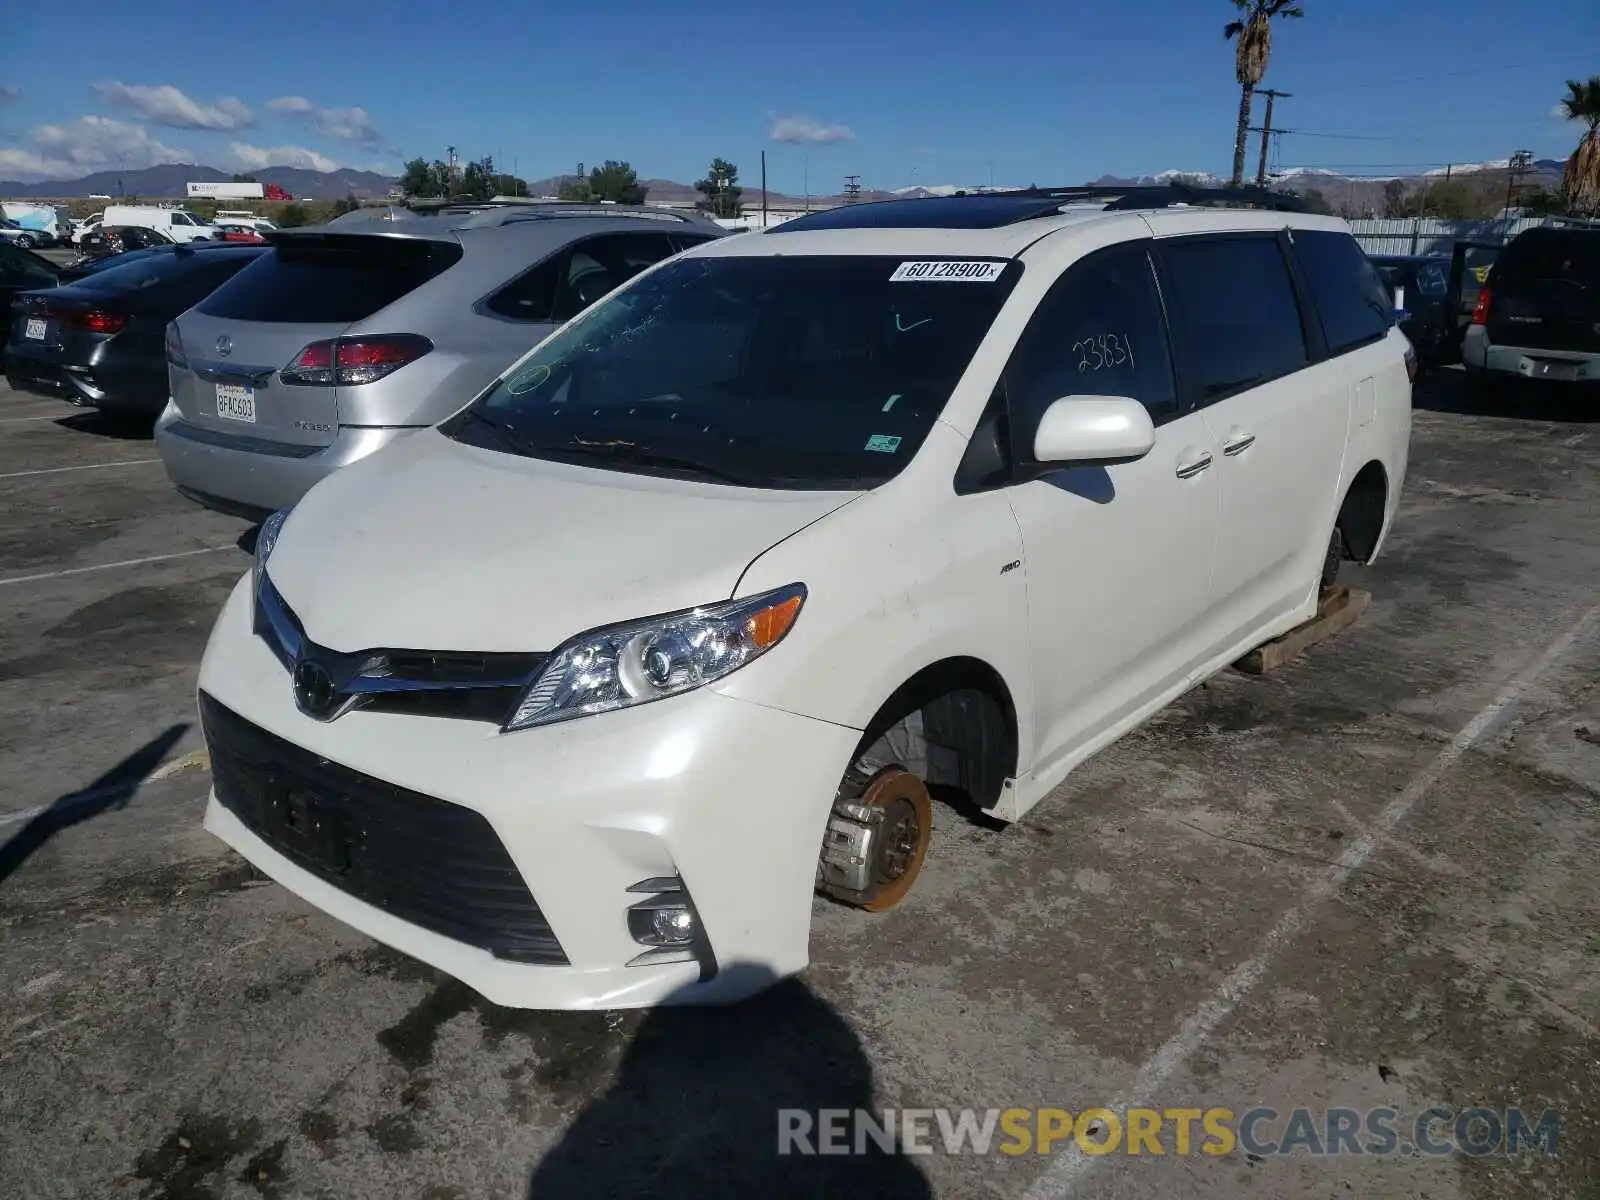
column 805, row 130
column 166, row 105
column 257, row 158
column 97, row 143
column 27, row 166
column 345, row 124
column 9, row 92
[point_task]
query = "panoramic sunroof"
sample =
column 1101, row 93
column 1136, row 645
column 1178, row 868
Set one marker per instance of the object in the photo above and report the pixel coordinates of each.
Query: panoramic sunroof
column 941, row 212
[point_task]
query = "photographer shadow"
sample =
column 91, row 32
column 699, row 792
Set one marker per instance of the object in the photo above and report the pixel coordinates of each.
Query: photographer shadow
column 694, row 1109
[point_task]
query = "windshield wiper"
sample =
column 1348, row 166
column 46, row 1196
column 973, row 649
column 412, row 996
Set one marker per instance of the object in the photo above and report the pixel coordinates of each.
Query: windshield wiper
column 630, row 452
column 503, row 434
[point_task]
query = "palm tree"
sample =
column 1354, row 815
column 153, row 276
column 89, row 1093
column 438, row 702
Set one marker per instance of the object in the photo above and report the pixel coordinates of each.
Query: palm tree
column 1254, row 37
column 1581, row 179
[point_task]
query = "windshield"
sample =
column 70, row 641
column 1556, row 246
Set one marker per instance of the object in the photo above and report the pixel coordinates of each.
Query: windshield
column 769, row 371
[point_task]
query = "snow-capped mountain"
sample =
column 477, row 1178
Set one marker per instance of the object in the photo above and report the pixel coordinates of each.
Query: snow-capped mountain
column 1498, row 164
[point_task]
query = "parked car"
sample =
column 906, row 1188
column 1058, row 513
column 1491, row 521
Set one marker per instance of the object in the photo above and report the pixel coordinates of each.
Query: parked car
column 247, row 219
column 99, row 341
column 1420, row 286
column 335, row 344
column 236, row 231
column 770, row 540
column 86, row 226
column 85, row 265
column 15, row 235
column 1538, row 315
column 107, row 241
column 22, row 270
column 179, row 224
column 41, row 222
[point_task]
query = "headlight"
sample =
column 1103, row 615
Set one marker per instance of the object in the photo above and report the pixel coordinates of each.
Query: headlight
column 640, row 661
column 265, row 541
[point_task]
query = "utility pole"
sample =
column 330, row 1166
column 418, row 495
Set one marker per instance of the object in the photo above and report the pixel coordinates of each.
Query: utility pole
column 852, row 188
column 1521, row 162
column 450, row 170
column 763, row 189
column 1266, row 132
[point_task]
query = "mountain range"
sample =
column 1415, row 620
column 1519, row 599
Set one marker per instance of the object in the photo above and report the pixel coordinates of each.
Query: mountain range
column 167, row 182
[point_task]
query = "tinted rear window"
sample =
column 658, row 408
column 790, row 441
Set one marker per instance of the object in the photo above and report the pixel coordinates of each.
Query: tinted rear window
column 1233, row 311
column 1354, row 305
column 1551, row 254
column 332, row 280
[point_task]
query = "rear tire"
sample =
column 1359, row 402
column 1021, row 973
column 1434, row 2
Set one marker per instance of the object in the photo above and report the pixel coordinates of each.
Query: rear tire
column 25, row 242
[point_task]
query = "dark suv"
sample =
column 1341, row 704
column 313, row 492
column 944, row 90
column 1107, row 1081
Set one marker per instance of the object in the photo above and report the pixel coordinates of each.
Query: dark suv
column 1538, row 314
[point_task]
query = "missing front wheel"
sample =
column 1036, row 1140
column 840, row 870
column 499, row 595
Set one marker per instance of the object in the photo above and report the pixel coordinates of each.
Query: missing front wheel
column 876, row 840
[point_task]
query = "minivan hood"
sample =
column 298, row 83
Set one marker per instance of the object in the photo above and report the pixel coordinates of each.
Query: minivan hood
column 436, row 545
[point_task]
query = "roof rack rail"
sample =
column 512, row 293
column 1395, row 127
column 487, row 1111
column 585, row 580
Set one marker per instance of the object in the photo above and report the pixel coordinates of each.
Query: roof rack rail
column 1164, row 195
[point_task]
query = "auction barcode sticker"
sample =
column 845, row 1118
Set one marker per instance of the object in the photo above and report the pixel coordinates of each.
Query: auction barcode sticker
column 946, row 271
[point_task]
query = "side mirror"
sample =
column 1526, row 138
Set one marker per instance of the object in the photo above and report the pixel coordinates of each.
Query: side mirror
column 1094, row 429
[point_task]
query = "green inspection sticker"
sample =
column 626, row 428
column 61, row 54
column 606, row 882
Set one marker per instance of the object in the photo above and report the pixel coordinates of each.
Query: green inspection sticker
column 883, row 443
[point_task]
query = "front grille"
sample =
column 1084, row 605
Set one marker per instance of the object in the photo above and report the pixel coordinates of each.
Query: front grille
column 467, row 685
column 427, row 861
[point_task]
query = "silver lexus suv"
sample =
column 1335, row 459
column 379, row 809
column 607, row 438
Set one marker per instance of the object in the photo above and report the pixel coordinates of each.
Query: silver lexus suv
column 340, row 340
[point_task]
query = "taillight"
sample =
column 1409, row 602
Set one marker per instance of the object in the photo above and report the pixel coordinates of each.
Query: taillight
column 1480, row 312
column 348, row 362
column 92, row 320
column 174, row 346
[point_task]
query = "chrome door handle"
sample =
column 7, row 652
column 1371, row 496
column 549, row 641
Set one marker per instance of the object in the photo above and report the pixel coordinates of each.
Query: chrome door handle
column 1194, row 468
column 1239, row 444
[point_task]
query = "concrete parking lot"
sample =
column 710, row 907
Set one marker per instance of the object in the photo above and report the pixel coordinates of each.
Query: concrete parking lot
column 1365, row 880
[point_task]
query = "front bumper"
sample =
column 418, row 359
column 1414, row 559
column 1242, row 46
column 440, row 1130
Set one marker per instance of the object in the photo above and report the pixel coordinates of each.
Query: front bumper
column 730, row 796
column 237, row 471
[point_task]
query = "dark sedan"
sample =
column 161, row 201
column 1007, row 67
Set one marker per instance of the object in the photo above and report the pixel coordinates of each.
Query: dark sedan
column 1421, row 287
column 23, row 270
column 100, row 341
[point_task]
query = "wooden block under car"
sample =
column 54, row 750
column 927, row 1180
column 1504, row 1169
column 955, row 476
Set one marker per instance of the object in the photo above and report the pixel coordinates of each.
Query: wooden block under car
column 1337, row 610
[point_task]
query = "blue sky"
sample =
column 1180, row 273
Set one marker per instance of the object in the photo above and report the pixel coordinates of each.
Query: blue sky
column 897, row 92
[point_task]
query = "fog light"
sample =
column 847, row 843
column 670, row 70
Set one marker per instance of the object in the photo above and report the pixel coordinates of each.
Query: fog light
column 666, row 924
column 662, row 921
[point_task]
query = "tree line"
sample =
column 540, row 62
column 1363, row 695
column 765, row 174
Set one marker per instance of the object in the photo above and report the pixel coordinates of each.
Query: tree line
column 614, row 181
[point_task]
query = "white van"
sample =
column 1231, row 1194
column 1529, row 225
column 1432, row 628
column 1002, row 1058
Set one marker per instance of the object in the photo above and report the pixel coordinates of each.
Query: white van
column 925, row 494
column 179, row 224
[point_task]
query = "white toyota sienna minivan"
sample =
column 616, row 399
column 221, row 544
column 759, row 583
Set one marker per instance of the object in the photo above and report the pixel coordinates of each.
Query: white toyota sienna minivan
column 583, row 694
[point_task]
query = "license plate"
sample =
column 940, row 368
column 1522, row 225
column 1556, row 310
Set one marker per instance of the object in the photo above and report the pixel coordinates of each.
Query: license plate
column 1553, row 370
column 236, row 402
column 35, row 329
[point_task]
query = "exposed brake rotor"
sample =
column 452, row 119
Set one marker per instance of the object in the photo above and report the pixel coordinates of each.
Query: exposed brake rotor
column 876, row 843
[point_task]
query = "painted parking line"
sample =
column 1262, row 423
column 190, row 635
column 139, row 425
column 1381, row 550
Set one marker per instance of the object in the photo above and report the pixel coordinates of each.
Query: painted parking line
column 1073, row 1166
column 135, row 462
column 126, row 562
column 20, row 420
column 195, row 758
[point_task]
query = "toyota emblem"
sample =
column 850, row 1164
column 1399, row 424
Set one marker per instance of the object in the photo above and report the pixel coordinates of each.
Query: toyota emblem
column 224, row 346
column 313, row 689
